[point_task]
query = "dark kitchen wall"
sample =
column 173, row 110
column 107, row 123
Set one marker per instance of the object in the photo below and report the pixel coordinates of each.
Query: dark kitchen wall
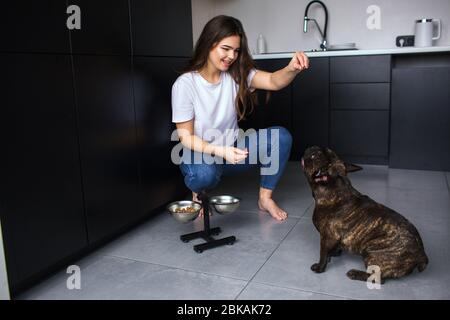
column 86, row 124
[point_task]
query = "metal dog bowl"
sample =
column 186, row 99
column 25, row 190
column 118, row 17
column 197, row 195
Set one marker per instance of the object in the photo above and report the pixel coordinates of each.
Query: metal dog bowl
column 225, row 204
column 184, row 217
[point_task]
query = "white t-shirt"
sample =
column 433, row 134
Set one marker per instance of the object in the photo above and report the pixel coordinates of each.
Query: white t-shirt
column 211, row 105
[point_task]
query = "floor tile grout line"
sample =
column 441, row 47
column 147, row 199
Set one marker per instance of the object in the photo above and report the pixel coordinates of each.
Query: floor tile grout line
column 248, row 282
column 304, row 290
column 173, row 267
column 304, row 214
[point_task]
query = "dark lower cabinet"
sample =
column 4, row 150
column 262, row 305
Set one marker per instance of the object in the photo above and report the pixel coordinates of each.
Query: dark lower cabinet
column 109, row 158
column 359, row 108
column 360, row 135
column 310, row 111
column 274, row 110
column 360, row 69
column 420, row 119
column 41, row 203
column 161, row 179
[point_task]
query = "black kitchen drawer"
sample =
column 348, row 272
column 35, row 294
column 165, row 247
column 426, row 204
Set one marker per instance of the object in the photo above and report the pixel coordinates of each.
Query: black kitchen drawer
column 360, row 133
column 360, row 96
column 360, row 69
column 105, row 28
column 162, row 28
column 34, row 26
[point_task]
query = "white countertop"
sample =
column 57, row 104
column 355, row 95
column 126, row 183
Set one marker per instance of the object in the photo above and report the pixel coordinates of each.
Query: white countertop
column 362, row 52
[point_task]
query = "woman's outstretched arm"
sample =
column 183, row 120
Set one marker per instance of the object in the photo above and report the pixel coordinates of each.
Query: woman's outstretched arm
column 277, row 80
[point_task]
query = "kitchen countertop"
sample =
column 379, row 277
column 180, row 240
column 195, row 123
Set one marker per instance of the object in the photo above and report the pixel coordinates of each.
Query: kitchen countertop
column 359, row 52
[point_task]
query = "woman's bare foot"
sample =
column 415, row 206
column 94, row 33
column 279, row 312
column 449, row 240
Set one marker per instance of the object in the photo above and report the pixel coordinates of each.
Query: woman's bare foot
column 266, row 203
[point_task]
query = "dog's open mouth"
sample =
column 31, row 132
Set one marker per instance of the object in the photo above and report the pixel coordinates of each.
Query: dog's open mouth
column 320, row 176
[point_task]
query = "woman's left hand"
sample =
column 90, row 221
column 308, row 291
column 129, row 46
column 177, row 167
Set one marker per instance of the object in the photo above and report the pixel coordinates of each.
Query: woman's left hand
column 299, row 62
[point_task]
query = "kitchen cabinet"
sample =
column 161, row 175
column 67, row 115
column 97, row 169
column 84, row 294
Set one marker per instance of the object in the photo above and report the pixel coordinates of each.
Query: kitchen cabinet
column 162, row 28
column 359, row 108
column 41, row 201
column 274, row 108
column 34, row 26
column 109, row 158
column 160, row 179
column 420, row 117
column 310, row 107
column 360, row 133
column 86, row 145
column 360, row 96
column 105, row 28
column 276, row 111
column 360, row 69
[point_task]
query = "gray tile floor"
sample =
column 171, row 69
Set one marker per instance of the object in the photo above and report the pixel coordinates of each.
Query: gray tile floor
column 271, row 259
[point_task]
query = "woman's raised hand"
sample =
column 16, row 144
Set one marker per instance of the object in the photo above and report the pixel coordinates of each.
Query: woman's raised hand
column 299, row 62
column 231, row 154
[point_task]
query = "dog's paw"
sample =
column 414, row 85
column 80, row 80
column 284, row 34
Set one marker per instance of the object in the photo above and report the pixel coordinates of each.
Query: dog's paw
column 317, row 268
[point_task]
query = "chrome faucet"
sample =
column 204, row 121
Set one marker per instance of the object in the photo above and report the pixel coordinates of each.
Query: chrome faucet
column 323, row 45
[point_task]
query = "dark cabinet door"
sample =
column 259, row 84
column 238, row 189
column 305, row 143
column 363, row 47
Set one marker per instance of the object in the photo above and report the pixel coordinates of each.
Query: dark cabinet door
column 105, row 27
column 34, row 26
column 360, row 135
column 107, row 142
column 41, row 204
column 162, row 28
column 276, row 111
column 161, row 180
column 420, row 118
column 310, row 107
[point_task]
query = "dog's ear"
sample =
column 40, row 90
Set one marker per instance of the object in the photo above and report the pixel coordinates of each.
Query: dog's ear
column 340, row 165
column 337, row 166
column 349, row 167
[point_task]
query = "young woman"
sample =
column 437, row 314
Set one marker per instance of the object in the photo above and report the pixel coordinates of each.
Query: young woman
column 215, row 92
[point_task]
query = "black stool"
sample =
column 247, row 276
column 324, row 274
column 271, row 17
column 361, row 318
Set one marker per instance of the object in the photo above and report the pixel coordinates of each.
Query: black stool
column 207, row 232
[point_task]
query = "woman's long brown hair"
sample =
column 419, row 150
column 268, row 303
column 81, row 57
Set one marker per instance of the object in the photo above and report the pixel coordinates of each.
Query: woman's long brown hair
column 214, row 31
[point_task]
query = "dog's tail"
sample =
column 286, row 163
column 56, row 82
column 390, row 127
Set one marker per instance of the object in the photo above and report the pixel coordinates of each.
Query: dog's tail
column 422, row 263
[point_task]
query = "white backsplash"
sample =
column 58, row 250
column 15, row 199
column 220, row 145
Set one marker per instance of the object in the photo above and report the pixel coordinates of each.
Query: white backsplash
column 281, row 22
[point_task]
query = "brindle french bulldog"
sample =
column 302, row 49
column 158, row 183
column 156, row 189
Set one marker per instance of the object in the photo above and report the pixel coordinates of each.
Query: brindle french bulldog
column 352, row 222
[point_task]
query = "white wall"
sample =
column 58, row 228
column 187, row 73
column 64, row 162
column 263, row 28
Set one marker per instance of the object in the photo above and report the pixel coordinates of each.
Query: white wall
column 281, row 21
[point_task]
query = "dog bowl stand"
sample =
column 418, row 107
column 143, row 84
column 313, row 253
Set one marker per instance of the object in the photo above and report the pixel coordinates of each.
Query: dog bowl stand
column 207, row 232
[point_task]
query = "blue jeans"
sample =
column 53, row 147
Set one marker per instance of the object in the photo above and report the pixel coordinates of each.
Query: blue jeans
column 206, row 174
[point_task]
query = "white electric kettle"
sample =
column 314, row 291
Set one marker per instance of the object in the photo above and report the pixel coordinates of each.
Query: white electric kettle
column 424, row 32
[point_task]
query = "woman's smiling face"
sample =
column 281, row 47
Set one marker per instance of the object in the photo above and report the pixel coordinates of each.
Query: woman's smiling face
column 225, row 53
